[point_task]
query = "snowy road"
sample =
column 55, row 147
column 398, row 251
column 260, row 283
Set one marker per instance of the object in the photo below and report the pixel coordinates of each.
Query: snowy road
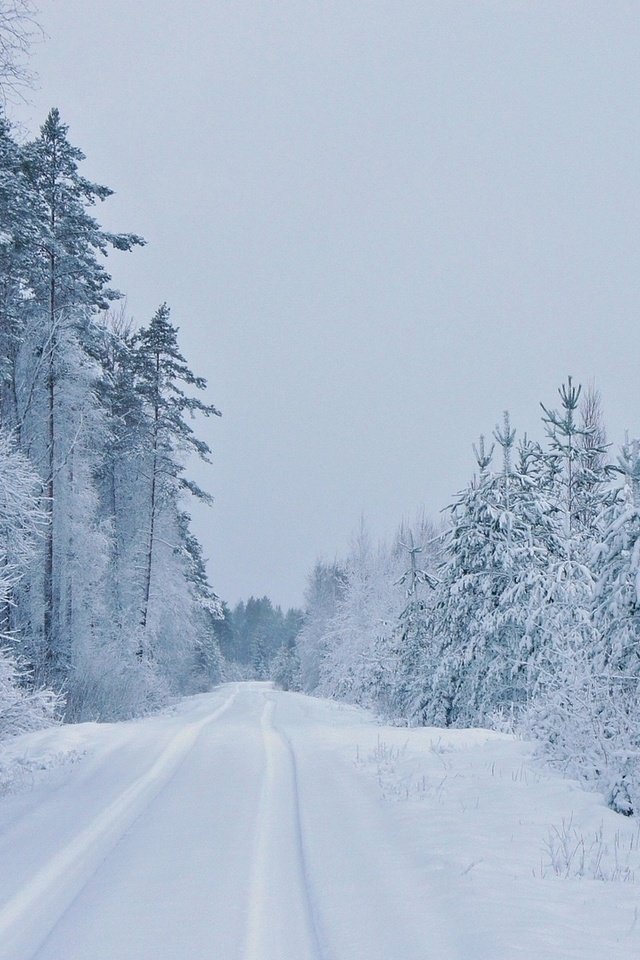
column 256, row 825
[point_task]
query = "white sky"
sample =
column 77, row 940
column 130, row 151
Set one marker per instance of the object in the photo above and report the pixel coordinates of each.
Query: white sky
column 378, row 224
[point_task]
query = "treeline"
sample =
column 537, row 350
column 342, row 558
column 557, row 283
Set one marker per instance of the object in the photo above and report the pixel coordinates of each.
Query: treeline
column 257, row 635
column 104, row 596
column 523, row 611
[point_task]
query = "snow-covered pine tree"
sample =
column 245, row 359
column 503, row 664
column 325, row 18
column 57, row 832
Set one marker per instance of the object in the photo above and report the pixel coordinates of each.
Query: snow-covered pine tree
column 68, row 283
column 207, row 610
column 77, row 395
column 484, row 623
column 565, row 694
column 161, row 375
column 399, row 681
column 285, row 667
column 594, row 472
column 577, row 453
column 19, row 234
column 325, row 588
column 617, row 656
column 617, row 569
column 535, row 541
column 118, row 470
column 465, row 590
column 358, row 632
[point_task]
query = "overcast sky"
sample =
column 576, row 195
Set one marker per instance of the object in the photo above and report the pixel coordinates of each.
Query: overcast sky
column 377, row 224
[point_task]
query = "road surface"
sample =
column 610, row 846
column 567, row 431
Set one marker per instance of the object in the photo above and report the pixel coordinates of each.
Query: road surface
column 250, row 824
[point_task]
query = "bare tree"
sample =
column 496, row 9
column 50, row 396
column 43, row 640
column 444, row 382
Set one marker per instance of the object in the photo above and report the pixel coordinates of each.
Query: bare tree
column 18, row 28
column 594, row 431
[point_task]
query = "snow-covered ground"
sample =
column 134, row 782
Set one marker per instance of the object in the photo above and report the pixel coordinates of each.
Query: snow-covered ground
column 250, row 824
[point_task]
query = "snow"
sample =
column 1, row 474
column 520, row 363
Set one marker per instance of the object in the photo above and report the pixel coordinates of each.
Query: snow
column 251, row 824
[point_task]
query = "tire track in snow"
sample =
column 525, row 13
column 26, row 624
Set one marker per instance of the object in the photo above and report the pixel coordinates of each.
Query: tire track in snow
column 281, row 920
column 28, row 917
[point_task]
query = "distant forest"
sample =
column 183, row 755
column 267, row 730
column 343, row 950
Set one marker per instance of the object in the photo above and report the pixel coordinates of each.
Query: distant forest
column 254, row 633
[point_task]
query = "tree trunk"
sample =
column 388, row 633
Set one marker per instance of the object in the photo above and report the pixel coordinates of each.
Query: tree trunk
column 152, row 512
column 48, row 612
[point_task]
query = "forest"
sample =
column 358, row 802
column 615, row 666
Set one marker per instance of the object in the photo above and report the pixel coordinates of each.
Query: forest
column 105, row 605
column 319, row 523
column 520, row 611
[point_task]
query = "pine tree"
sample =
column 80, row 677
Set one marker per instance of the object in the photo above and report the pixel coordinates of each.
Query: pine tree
column 486, row 621
column 285, row 666
column 207, row 608
column 465, row 594
column 361, row 624
column 616, row 658
column 118, row 469
column 18, row 241
column 325, row 588
column 577, row 449
column 617, row 567
column 224, row 633
column 102, row 416
column 259, row 660
column 399, row 682
column 162, row 372
column 594, row 473
column 69, row 283
column 564, row 685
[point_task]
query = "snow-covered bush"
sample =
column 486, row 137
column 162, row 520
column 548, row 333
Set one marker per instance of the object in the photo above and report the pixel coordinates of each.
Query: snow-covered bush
column 22, row 707
column 285, row 668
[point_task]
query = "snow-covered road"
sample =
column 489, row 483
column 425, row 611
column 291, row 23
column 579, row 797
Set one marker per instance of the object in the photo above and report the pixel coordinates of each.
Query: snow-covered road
column 251, row 824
